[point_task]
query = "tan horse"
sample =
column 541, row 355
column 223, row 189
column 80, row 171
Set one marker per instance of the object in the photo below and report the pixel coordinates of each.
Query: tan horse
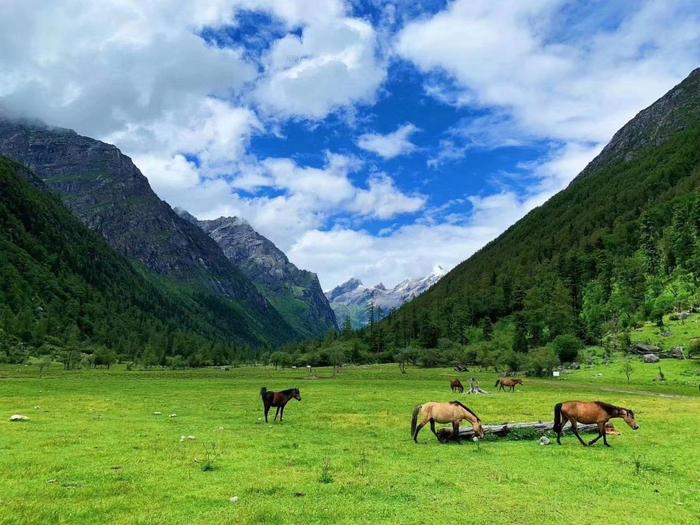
column 510, row 382
column 453, row 412
column 588, row 413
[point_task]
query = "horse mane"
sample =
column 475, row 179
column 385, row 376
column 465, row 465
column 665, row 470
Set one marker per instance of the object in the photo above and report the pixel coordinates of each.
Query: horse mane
column 610, row 409
column 455, row 402
column 288, row 391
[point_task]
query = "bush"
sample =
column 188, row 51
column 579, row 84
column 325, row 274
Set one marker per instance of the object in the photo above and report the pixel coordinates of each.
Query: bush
column 541, row 361
column 694, row 348
column 567, row 347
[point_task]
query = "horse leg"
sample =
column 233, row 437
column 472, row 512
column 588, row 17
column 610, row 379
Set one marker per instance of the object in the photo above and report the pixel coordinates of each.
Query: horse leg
column 574, row 427
column 561, row 429
column 605, row 435
column 455, row 431
column 418, row 429
column 267, row 409
column 277, row 413
column 282, row 411
column 432, row 427
column 601, row 434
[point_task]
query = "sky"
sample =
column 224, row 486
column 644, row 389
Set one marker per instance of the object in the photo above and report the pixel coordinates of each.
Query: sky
column 369, row 139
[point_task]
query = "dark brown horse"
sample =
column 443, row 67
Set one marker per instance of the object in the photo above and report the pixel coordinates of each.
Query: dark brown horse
column 508, row 382
column 587, row 413
column 278, row 399
column 456, row 386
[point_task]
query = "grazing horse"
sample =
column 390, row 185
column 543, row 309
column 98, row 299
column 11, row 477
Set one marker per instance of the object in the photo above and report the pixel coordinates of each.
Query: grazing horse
column 508, row 382
column 589, row 412
column 453, row 412
column 456, row 386
column 278, row 399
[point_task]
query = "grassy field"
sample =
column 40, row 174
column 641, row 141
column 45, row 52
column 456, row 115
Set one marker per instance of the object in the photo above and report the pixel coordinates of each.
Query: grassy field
column 95, row 452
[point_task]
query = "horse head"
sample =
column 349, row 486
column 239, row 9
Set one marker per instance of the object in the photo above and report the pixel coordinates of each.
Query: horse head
column 478, row 428
column 628, row 416
column 296, row 394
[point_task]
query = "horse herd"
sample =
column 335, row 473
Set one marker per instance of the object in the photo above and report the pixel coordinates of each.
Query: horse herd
column 454, row 412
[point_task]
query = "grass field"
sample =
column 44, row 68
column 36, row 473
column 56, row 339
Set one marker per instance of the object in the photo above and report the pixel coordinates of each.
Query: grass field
column 94, row 452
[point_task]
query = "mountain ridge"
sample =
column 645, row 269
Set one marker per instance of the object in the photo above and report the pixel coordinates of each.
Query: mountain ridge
column 352, row 299
column 108, row 193
column 66, row 291
column 296, row 293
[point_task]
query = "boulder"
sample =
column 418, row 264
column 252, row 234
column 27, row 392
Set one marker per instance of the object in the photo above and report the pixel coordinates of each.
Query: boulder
column 643, row 348
column 651, row 358
column 677, row 352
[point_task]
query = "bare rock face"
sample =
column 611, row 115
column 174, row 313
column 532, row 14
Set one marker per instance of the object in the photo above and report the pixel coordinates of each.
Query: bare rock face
column 296, row 293
column 654, row 125
column 110, row 195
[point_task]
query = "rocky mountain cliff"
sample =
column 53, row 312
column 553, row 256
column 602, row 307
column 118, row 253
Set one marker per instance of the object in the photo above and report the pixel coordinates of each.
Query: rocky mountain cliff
column 352, row 299
column 295, row 293
column 104, row 189
column 66, row 291
column 673, row 113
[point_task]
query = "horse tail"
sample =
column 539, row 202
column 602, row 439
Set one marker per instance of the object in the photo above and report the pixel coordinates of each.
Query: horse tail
column 414, row 419
column 263, row 391
column 498, row 381
column 557, row 418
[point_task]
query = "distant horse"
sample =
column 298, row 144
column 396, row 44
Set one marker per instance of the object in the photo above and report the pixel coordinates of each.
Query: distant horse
column 508, row 382
column 456, row 386
column 278, row 399
column 453, row 412
column 589, row 412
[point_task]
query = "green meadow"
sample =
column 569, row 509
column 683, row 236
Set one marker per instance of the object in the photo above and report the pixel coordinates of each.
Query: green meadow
column 96, row 451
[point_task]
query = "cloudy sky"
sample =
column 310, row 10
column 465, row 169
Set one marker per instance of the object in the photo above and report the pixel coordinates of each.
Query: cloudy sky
column 367, row 139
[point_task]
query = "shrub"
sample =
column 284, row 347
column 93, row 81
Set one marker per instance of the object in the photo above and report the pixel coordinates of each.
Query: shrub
column 694, row 347
column 567, row 347
column 541, row 361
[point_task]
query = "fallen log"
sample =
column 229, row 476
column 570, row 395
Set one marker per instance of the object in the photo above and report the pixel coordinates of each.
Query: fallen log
column 537, row 428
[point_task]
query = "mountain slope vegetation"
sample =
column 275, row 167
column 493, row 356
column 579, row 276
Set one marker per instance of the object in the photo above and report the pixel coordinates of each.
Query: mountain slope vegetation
column 616, row 250
column 108, row 193
column 64, row 290
column 621, row 244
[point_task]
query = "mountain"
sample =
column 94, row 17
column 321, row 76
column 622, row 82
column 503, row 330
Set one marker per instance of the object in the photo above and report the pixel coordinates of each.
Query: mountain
column 352, row 299
column 65, row 289
column 295, row 293
column 104, row 189
column 621, row 243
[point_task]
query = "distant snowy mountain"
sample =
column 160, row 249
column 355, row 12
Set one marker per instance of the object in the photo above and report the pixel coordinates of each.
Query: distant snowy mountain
column 352, row 299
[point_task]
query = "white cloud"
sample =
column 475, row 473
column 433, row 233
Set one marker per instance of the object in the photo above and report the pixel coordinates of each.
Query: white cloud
column 408, row 251
column 306, row 197
column 501, row 55
column 332, row 64
column 390, row 145
column 490, row 131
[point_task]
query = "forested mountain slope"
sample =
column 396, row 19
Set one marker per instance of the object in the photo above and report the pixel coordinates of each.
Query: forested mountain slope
column 620, row 244
column 63, row 289
column 104, row 189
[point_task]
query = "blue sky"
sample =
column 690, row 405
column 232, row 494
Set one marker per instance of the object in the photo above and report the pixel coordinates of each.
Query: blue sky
column 367, row 139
